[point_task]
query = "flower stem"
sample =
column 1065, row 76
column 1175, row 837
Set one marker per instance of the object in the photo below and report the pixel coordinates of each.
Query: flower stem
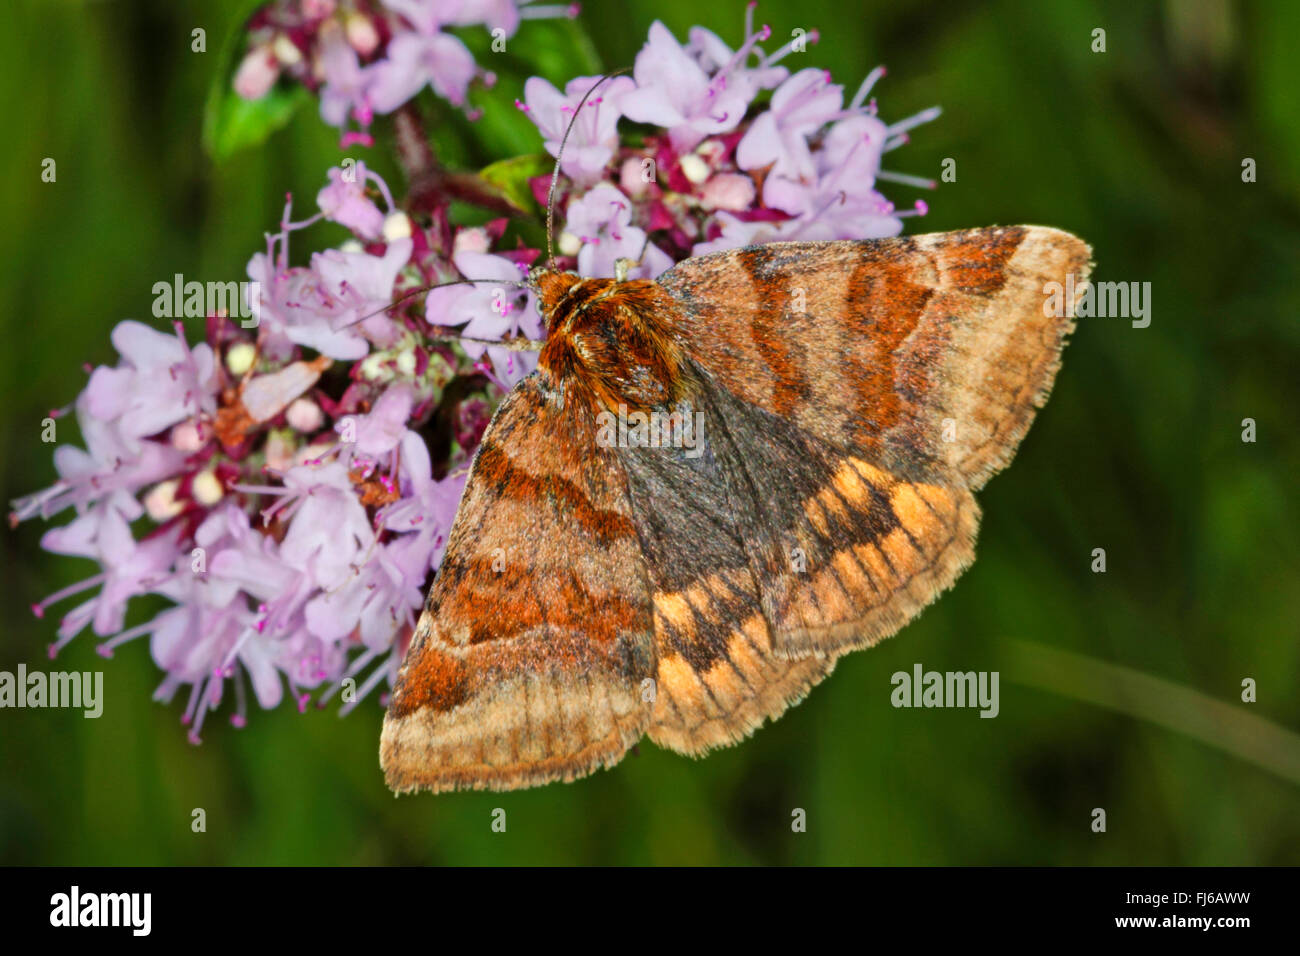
column 431, row 186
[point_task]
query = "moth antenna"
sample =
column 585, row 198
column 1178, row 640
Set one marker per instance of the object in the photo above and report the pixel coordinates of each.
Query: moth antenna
column 555, row 174
column 516, row 344
column 414, row 292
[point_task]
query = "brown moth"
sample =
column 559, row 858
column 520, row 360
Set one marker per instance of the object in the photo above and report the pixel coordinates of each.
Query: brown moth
column 828, row 410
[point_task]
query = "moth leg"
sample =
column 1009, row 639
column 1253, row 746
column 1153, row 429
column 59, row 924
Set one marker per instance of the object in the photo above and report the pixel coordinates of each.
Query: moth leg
column 623, row 264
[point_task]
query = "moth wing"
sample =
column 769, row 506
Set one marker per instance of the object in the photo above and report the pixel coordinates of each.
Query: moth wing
column 717, row 676
column 864, row 389
column 769, row 553
column 844, row 551
column 526, row 665
column 924, row 354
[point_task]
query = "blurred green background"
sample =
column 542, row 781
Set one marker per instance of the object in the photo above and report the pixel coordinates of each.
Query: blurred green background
column 1138, row 149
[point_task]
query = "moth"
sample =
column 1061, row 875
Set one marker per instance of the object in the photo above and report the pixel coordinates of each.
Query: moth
column 801, row 428
column 851, row 397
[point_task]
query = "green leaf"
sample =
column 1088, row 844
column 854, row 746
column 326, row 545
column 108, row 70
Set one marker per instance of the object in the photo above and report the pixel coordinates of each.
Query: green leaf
column 231, row 123
column 234, row 123
column 511, row 177
column 557, row 50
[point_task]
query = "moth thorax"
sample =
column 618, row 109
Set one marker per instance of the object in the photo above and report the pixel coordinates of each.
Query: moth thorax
column 613, row 339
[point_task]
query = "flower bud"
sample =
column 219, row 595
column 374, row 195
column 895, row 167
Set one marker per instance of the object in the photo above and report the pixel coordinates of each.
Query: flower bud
column 731, row 191
column 190, row 436
column 397, row 226
column 240, row 357
column 569, row 244
column 694, row 168
column 285, row 50
column 470, row 239
column 160, row 502
column 279, row 450
column 361, row 33
column 206, row 488
column 632, row 178
column 257, row 73
column 304, row 415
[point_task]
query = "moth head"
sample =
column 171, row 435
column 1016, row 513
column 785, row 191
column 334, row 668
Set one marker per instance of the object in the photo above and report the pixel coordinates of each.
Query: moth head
column 615, row 340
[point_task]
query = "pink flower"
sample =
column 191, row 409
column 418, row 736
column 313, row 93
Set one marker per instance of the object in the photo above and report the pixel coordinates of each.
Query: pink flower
column 160, row 382
column 358, row 286
column 688, row 91
column 346, row 91
column 594, row 138
column 212, row 630
column 715, row 57
column 427, row 506
column 214, row 634
column 376, row 602
column 377, row 433
column 250, row 562
column 110, row 468
column 257, row 73
column 424, row 56
column 489, row 311
column 329, row 532
column 191, row 643
column 129, row 567
column 388, row 592
column 801, row 106
column 841, row 202
column 292, row 310
column 336, row 307
column 602, row 221
column 345, row 201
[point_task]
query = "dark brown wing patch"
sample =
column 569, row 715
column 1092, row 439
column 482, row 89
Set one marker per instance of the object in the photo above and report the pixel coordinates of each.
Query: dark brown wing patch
column 769, row 555
column 845, row 552
column 717, row 676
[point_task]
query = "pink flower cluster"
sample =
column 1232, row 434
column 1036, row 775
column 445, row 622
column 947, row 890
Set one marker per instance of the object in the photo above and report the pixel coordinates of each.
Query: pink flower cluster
column 292, row 511
column 364, row 59
column 719, row 168
column 289, row 483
